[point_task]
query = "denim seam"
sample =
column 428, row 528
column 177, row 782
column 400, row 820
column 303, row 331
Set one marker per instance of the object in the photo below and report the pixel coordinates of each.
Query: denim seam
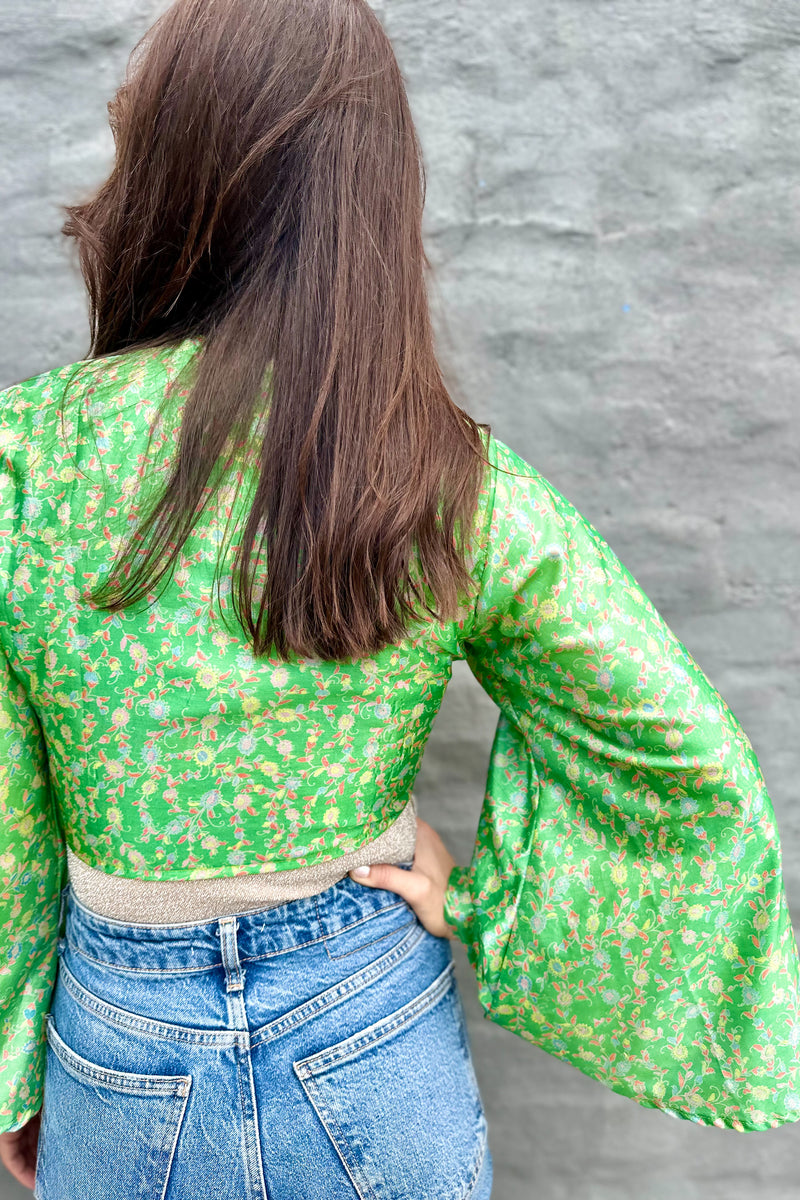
column 254, row 1163
column 316, row 941
column 363, row 945
column 340, row 991
column 175, row 1138
column 361, row 920
column 484, row 1147
column 332, row 1124
column 120, row 1017
column 103, row 962
column 307, row 1068
column 128, row 1082
column 213, row 966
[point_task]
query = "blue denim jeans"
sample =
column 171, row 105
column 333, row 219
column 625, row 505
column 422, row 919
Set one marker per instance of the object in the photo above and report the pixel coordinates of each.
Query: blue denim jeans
column 315, row 1050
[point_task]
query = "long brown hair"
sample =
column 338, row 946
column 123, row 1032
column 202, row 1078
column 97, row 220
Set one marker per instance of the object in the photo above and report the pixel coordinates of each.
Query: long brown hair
column 267, row 199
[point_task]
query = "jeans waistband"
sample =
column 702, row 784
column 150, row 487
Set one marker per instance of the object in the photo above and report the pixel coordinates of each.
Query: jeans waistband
column 197, row 945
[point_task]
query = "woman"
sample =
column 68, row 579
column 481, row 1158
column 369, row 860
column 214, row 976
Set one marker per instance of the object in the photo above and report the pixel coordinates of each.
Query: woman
column 199, row 752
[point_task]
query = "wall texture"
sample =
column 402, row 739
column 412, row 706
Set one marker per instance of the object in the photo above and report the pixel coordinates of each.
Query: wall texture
column 612, row 217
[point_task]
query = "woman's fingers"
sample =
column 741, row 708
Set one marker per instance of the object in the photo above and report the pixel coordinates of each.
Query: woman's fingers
column 422, row 887
column 411, row 885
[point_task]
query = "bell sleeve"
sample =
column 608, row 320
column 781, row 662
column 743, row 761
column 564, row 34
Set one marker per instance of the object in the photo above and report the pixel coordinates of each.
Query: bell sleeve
column 32, row 863
column 624, row 908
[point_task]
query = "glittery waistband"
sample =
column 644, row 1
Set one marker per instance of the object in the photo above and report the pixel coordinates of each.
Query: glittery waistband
column 156, row 900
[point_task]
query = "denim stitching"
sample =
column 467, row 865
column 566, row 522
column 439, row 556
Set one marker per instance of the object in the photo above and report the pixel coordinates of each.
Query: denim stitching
column 307, row 1067
column 114, row 1015
column 340, row 991
column 102, row 962
column 175, row 1138
column 308, row 1088
column 119, row 1081
column 364, row 945
column 474, row 1180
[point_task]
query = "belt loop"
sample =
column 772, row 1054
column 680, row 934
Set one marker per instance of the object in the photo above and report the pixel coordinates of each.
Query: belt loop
column 230, row 954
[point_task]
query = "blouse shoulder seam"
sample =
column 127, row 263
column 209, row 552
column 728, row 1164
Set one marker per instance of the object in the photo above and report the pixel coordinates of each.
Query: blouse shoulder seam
column 484, row 535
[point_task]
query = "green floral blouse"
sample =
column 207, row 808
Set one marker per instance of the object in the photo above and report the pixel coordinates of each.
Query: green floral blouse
column 624, row 907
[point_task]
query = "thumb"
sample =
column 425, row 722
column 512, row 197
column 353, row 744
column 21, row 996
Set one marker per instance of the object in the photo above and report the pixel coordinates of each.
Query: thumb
column 385, row 875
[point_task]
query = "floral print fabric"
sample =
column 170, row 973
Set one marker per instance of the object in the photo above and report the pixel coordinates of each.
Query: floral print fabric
column 624, row 907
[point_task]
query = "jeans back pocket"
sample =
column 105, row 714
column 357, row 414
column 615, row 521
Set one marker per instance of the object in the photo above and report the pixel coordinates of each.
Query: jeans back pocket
column 400, row 1101
column 105, row 1133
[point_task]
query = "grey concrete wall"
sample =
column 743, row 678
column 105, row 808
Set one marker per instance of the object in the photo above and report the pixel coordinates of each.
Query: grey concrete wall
column 612, row 215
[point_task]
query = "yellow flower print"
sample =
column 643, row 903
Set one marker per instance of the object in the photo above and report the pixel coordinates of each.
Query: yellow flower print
column 250, row 704
column 583, row 1030
column 202, row 755
column 712, row 772
column 548, row 610
column 580, row 697
column 673, row 738
column 695, row 912
column 336, row 770
column 619, row 872
column 207, row 677
column 5, row 719
column 761, row 920
column 330, row 816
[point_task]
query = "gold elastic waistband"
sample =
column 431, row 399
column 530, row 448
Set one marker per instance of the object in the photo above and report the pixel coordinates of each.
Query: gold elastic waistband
column 173, row 901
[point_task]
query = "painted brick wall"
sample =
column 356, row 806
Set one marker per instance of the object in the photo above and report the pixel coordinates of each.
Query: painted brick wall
column 612, row 219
